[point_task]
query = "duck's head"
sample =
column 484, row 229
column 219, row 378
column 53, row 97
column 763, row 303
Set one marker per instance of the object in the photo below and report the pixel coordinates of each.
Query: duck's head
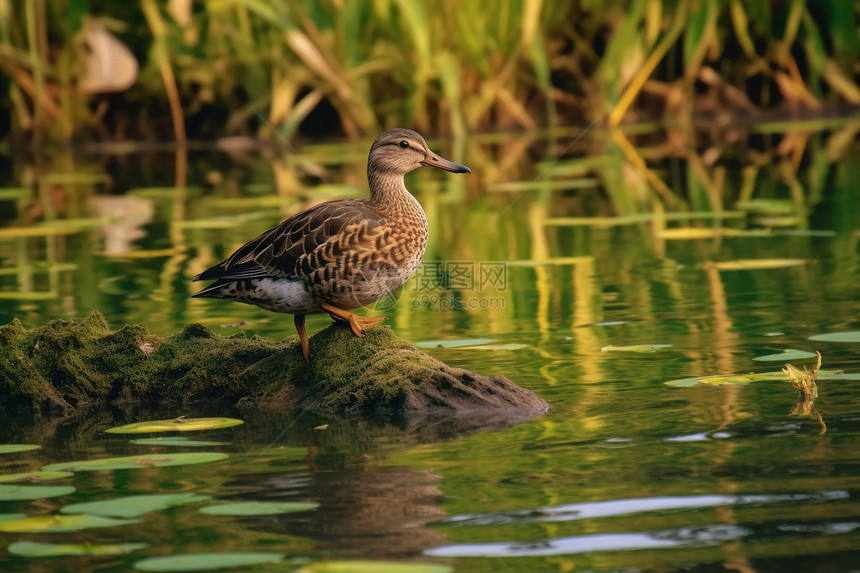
column 399, row 151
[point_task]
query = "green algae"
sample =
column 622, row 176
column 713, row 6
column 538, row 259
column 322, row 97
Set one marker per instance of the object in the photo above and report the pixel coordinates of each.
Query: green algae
column 65, row 365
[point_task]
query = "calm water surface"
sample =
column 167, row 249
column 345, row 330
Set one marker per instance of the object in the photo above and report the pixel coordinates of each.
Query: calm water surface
column 624, row 473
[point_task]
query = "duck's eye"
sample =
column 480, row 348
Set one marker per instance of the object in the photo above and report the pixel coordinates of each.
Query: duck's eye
column 404, row 144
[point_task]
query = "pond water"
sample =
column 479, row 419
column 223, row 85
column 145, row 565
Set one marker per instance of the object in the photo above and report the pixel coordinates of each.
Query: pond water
column 624, row 473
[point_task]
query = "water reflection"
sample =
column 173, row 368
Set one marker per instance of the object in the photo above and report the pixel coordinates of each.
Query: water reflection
column 375, row 511
column 661, row 478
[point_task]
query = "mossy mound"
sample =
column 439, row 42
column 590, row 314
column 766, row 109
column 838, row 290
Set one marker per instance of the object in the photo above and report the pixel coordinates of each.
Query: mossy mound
column 65, row 365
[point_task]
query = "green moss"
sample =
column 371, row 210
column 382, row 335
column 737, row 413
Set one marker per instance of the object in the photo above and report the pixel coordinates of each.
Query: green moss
column 67, row 364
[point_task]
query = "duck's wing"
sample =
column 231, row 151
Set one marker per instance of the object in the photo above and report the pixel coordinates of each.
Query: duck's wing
column 302, row 243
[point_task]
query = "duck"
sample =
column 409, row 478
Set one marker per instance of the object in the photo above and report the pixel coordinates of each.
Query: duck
column 340, row 255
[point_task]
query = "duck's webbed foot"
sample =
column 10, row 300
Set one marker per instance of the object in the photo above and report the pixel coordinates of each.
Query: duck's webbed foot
column 356, row 323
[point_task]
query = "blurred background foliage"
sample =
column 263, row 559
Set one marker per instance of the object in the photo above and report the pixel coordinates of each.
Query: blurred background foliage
column 207, row 69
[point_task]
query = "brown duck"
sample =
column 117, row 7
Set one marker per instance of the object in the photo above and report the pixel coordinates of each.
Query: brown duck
column 339, row 255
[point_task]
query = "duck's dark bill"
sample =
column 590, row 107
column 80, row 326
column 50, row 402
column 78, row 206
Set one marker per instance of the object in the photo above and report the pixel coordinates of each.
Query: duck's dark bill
column 434, row 160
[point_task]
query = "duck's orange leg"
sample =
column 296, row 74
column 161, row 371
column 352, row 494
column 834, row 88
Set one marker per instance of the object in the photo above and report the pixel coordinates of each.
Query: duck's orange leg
column 303, row 336
column 356, row 323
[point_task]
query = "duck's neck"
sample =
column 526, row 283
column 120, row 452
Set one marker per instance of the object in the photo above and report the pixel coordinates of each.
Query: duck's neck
column 388, row 193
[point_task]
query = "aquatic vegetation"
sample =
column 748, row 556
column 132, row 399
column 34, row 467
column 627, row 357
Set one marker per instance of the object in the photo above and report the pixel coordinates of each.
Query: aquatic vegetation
column 134, row 505
column 848, row 336
column 15, row 448
column 137, row 462
column 641, row 348
column 466, row 342
column 804, row 380
column 786, row 354
column 243, row 508
column 337, row 566
column 211, row 68
column 34, row 477
column 741, row 379
column 21, row 492
column 61, row 523
column 181, row 424
column 36, row 549
column 206, row 561
column 177, row 441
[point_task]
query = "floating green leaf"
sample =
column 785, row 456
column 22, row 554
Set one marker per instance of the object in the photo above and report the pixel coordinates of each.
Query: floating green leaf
column 259, row 507
column 34, row 477
column 13, row 448
column 134, row 505
column 373, row 567
column 727, row 379
column 34, row 549
column 850, row 336
column 453, row 343
column 177, row 425
column 176, row 441
column 11, row 516
column 21, row 492
column 635, row 348
column 61, row 523
column 508, row 346
column 206, row 561
column 134, row 462
column 785, row 355
column 748, row 378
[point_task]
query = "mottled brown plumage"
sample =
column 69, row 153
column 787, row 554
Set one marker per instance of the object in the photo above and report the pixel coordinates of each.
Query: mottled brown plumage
column 339, row 255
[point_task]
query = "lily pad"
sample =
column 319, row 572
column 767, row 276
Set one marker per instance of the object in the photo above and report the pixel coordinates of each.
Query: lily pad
column 786, row 355
column 850, row 336
column 21, row 492
column 748, row 378
column 34, row 549
column 177, row 425
column 134, row 462
column 636, row 348
column 34, row 477
column 509, row 346
column 61, row 523
column 134, row 505
column 453, row 343
column 373, row 567
column 13, row 448
column 177, row 441
column 259, row 507
column 206, row 561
